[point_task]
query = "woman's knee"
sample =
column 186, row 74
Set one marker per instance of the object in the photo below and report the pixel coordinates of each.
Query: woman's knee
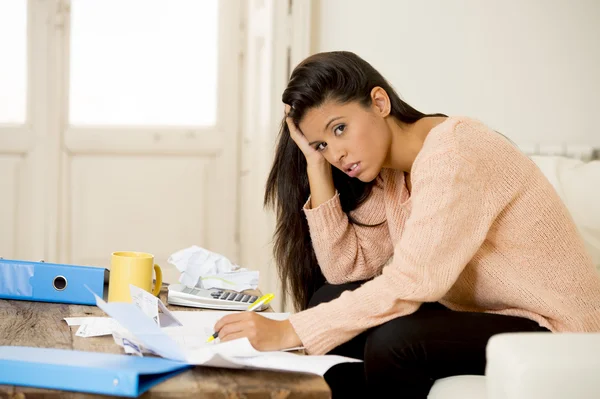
column 392, row 344
column 329, row 292
column 395, row 356
column 404, row 335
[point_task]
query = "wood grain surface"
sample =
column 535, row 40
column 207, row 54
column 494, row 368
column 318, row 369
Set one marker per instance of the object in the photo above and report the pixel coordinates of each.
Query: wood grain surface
column 41, row 324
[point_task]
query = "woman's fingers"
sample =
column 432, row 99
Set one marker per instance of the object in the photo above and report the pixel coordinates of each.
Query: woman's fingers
column 301, row 140
column 311, row 154
column 229, row 319
column 232, row 336
column 296, row 134
column 231, row 329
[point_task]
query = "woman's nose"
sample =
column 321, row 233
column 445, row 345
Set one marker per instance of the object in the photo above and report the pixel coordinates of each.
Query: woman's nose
column 338, row 154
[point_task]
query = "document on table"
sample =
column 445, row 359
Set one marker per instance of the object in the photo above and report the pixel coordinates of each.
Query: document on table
column 153, row 307
column 93, row 326
column 187, row 343
column 191, row 323
column 192, row 334
column 198, row 326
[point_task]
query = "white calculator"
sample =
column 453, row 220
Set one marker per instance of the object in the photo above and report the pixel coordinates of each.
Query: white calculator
column 219, row 299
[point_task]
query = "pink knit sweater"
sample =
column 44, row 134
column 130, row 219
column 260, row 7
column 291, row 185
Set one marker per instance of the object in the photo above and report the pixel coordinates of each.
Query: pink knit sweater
column 482, row 231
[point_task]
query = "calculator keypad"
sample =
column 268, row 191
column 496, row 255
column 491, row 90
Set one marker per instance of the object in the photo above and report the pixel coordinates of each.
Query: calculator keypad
column 224, row 295
column 234, row 296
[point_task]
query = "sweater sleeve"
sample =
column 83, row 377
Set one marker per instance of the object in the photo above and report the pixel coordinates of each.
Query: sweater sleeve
column 347, row 251
column 449, row 221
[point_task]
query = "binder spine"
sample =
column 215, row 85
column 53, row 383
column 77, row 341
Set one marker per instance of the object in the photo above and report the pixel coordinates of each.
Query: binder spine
column 51, row 282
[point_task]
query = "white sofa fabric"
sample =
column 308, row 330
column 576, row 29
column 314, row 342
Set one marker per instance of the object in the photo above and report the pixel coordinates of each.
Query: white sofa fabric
column 459, row 387
column 543, row 366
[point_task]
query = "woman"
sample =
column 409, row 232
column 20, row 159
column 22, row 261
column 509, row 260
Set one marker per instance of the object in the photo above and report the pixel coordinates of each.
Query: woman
column 408, row 240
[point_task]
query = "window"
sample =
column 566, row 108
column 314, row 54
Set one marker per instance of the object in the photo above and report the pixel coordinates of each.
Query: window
column 160, row 70
column 13, row 61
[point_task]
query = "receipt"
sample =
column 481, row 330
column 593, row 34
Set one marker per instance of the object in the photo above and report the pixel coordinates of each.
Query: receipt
column 153, row 307
column 99, row 326
column 144, row 300
column 93, row 326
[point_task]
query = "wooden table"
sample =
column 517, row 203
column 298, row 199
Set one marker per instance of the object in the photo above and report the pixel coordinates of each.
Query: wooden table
column 41, row 325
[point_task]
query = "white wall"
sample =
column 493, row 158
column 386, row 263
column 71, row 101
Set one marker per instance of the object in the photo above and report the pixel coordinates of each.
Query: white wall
column 530, row 68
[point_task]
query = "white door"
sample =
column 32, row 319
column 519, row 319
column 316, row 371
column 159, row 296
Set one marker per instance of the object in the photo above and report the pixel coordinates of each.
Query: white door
column 23, row 135
column 138, row 141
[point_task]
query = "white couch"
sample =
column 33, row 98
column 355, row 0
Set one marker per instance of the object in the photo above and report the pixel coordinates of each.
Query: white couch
column 538, row 365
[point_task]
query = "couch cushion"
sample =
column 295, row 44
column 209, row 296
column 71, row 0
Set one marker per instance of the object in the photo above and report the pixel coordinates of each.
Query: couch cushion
column 538, row 365
column 459, row 387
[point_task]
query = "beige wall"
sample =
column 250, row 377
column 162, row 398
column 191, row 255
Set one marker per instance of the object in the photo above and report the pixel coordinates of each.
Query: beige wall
column 528, row 68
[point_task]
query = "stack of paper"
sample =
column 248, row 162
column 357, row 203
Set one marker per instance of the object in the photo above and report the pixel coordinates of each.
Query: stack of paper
column 184, row 340
column 202, row 268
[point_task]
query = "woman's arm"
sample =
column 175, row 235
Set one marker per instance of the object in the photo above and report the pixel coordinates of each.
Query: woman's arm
column 320, row 181
column 347, row 251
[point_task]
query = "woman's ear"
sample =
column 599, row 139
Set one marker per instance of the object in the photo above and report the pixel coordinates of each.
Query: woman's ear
column 381, row 101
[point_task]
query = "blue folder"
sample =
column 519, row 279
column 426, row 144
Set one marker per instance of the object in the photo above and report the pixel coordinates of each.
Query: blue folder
column 80, row 371
column 52, row 282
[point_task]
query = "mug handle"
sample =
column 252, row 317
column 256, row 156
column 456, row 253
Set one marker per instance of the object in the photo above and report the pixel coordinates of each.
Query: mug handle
column 158, row 283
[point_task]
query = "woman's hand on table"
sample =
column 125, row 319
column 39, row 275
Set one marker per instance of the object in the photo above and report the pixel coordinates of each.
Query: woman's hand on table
column 263, row 333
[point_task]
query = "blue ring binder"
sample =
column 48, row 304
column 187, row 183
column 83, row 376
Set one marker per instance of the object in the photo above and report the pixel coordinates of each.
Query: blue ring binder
column 80, row 371
column 52, row 282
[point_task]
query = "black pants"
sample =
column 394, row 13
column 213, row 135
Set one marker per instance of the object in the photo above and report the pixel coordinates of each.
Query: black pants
column 405, row 356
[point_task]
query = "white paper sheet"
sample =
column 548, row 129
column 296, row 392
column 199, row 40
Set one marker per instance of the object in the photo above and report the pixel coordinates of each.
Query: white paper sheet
column 144, row 300
column 150, row 305
column 206, row 320
column 290, row 362
column 235, row 281
column 188, row 344
column 93, row 326
column 97, row 327
column 202, row 268
column 128, row 343
column 77, row 321
column 198, row 326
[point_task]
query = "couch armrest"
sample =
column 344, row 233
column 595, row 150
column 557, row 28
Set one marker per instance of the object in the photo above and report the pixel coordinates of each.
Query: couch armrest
column 543, row 366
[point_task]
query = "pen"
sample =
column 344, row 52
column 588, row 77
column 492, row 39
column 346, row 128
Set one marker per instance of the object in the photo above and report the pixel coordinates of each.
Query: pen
column 263, row 300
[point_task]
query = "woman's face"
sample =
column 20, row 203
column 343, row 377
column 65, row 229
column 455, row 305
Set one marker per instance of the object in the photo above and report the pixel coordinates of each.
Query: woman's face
column 351, row 137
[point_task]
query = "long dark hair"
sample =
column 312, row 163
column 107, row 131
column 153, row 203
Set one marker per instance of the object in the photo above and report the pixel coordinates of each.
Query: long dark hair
column 339, row 76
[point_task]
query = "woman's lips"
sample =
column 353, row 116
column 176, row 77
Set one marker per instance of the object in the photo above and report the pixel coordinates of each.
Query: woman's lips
column 354, row 169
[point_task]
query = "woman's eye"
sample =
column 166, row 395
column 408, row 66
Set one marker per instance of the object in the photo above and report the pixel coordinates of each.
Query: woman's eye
column 339, row 129
column 321, row 146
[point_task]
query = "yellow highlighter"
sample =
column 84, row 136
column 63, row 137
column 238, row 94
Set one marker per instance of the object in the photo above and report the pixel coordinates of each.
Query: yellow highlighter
column 262, row 301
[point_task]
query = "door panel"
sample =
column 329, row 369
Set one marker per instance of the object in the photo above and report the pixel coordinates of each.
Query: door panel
column 131, row 204
column 9, row 200
column 149, row 163
column 75, row 189
column 18, row 235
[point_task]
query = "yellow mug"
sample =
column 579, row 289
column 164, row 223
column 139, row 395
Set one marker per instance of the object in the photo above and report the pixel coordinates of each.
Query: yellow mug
column 132, row 268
